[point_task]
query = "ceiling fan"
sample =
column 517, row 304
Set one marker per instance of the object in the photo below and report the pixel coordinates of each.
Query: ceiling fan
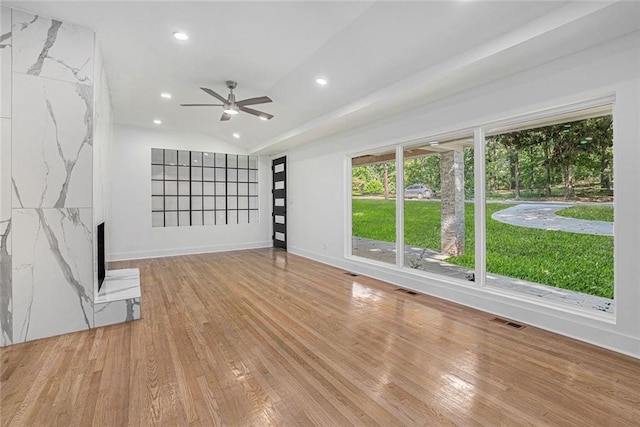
column 232, row 107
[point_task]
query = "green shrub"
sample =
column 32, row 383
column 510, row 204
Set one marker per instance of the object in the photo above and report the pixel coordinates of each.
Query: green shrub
column 357, row 185
column 373, row 187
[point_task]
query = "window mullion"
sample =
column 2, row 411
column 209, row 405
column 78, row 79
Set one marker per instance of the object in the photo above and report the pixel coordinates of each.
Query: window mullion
column 399, row 206
column 480, row 208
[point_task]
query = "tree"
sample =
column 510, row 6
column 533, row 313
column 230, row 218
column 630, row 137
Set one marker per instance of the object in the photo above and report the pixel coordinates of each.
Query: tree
column 469, row 178
column 385, row 173
column 363, row 173
column 415, row 172
column 598, row 137
column 496, row 165
column 378, row 173
column 566, row 149
column 540, row 158
column 540, row 142
column 423, row 170
column 514, row 142
column 373, row 187
column 386, row 181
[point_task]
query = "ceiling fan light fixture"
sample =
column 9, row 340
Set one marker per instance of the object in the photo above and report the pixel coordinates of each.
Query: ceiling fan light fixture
column 179, row 35
column 230, row 111
column 263, row 118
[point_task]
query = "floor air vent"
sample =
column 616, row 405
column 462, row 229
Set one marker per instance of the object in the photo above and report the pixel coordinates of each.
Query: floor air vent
column 406, row 291
column 515, row 325
column 507, row 323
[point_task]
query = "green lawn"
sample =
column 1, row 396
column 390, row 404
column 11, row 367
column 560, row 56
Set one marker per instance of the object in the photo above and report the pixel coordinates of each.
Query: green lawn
column 595, row 213
column 579, row 262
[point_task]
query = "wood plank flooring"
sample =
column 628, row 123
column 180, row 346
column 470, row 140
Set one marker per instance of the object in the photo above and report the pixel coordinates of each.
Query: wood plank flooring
column 262, row 337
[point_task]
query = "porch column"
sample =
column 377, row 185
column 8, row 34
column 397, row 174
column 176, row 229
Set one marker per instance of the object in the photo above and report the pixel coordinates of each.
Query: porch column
column 452, row 202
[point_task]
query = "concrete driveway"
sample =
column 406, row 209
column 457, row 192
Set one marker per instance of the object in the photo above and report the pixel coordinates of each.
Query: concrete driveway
column 543, row 216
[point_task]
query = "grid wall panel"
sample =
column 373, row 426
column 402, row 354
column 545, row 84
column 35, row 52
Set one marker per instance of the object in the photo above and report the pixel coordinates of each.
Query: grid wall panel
column 194, row 188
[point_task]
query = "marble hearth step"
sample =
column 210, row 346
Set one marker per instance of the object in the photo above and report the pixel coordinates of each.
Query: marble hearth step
column 119, row 298
column 119, row 285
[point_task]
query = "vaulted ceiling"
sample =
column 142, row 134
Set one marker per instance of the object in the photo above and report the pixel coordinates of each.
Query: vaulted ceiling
column 380, row 58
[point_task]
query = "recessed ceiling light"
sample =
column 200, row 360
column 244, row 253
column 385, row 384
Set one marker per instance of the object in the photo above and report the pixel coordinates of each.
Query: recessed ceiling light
column 157, row 121
column 180, row 35
column 321, row 81
column 236, row 135
column 165, row 95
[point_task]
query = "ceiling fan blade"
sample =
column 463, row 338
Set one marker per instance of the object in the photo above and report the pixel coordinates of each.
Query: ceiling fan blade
column 214, row 94
column 256, row 112
column 201, row 105
column 254, row 101
column 225, row 117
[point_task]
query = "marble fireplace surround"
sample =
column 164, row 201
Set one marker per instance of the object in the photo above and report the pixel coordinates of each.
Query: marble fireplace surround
column 55, row 125
column 120, row 291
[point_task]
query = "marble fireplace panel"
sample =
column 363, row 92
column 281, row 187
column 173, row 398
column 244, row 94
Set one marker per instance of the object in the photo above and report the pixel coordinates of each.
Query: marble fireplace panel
column 5, row 62
column 6, row 309
column 110, row 313
column 52, row 272
column 6, row 328
column 49, row 48
column 52, row 141
column 5, row 171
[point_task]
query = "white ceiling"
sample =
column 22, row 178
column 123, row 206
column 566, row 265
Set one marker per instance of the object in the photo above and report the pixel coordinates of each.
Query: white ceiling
column 380, row 57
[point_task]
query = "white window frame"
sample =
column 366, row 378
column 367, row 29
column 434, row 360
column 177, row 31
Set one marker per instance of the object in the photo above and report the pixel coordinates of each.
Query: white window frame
column 544, row 117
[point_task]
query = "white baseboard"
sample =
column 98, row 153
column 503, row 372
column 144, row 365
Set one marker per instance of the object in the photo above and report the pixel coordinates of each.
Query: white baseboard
column 592, row 328
column 125, row 256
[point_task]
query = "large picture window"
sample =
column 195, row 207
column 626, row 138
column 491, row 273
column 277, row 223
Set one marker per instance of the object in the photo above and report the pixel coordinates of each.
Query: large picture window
column 545, row 221
column 438, row 207
column 196, row 188
column 549, row 206
column 373, row 186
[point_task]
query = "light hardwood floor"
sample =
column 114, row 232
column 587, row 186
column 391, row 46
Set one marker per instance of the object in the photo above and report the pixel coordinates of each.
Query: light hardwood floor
column 262, row 337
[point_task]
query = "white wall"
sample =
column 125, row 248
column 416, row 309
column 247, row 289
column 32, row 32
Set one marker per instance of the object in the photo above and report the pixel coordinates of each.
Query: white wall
column 129, row 227
column 318, row 192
